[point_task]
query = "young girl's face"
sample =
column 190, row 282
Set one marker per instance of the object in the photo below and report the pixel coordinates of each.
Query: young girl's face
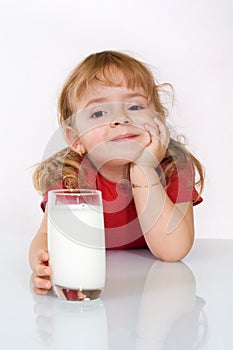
column 110, row 121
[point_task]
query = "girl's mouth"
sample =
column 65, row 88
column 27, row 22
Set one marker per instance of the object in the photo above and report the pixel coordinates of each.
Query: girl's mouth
column 124, row 137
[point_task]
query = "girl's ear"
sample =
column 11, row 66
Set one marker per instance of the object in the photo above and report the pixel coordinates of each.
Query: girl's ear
column 70, row 135
column 74, row 141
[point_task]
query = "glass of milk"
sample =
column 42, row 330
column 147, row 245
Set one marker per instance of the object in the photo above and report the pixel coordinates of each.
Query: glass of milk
column 76, row 243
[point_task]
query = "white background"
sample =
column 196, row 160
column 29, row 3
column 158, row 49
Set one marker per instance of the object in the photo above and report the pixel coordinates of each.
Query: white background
column 190, row 42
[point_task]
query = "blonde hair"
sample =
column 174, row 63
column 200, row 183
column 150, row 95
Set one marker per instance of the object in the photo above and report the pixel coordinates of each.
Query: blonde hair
column 99, row 67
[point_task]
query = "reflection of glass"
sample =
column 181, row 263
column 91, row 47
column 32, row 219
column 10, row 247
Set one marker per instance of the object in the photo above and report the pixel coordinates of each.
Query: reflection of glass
column 67, row 325
column 147, row 304
column 169, row 312
column 76, row 243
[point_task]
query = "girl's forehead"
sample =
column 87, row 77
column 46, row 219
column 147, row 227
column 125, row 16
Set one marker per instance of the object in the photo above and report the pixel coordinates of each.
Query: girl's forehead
column 99, row 88
column 99, row 93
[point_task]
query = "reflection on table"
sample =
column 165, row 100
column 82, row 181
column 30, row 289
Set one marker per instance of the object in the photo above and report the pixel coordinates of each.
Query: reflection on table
column 147, row 304
column 63, row 324
column 170, row 313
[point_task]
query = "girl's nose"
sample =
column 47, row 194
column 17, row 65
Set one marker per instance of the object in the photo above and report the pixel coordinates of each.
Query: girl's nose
column 120, row 118
column 120, row 122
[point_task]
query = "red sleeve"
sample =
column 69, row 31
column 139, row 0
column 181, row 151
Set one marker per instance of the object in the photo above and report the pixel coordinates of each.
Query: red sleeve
column 181, row 186
column 57, row 186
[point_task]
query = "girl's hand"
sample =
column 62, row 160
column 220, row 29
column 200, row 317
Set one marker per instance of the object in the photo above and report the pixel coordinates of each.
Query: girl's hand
column 156, row 149
column 42, row 273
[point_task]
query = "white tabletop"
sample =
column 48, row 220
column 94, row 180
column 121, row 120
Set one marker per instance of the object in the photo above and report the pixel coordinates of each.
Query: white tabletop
column 147, row 304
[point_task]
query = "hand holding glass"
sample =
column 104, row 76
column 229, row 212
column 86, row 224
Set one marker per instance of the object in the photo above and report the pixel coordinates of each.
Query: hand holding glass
column 76, row 243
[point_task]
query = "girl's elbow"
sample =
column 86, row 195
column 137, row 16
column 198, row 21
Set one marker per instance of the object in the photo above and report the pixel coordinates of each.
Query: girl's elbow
column 171, row 255
column 168, row 257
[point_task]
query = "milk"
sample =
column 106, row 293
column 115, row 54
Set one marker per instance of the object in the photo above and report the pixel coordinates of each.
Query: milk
column 76, row 246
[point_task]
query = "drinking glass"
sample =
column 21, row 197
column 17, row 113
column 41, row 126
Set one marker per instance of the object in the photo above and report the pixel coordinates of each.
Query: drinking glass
column 76, row 243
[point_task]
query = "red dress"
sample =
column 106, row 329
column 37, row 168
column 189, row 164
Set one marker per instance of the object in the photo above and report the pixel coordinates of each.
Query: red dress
column 122, row 228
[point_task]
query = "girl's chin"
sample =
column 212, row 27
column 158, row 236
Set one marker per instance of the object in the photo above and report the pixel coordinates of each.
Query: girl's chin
column 117, row 162
column 114, row 160
column 116, row 154
column 123, row 160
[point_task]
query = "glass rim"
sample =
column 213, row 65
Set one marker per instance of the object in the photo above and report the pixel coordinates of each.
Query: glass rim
column 74, row 191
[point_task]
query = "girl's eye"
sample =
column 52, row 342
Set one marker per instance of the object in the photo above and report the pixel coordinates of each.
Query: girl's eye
column 98, row 114
column 136, row 108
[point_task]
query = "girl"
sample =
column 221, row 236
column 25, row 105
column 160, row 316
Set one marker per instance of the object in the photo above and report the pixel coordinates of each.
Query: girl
column 115, row 125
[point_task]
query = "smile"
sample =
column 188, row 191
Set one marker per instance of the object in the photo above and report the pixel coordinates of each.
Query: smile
column 125, row 137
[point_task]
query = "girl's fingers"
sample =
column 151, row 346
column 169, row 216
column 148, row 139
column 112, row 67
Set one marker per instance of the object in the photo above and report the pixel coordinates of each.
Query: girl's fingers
column 153, row 130
column 42, row 270
column 43, row 256
column 40, row 291
column 165, row 137
column 164, row 133
column 42, row 273
column 41, row 283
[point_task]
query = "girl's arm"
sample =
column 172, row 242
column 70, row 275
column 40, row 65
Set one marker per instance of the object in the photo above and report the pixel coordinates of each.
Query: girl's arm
column 168, row 228
column 38, row 259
